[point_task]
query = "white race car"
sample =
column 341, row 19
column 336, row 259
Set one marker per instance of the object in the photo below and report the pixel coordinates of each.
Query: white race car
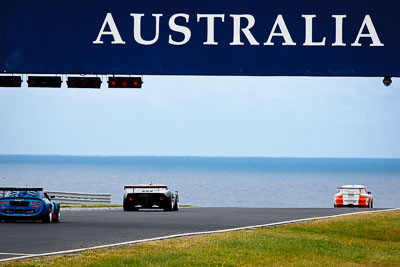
column 150, row 197
column 353, row 196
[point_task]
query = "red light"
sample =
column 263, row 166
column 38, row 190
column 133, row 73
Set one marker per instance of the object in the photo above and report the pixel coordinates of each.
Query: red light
column 145, row 195
column 10, row 81
column 15, row 83
column 38, row 203
column 35, row 210
column 161, row 198
column 84, row 82
column 339, row 200
column 131, row 198
column 125, row 82
column 5, row 202
column 71, row 83
column 363, row 201
column 34, row 203
column 1, row 203
column 113, row 83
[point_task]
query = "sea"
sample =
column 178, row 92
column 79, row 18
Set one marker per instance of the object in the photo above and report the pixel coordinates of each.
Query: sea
column 211, row 181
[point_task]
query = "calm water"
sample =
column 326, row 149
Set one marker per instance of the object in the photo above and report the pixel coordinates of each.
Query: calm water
column 208, row 182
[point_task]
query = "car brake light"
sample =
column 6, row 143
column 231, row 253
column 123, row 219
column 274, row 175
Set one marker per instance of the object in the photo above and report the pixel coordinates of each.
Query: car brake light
column 145, row 195
column 131, row 198
column 5, row 202
column 1, row 203
column 339, row 200
column 38, row 203
column 161, row 198
column 363, row 201
column 34, row 203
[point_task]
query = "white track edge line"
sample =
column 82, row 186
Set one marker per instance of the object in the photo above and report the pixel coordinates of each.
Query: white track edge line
column 191, row 234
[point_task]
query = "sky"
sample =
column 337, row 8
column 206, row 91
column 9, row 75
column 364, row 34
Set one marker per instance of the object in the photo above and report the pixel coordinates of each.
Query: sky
column 207, row 116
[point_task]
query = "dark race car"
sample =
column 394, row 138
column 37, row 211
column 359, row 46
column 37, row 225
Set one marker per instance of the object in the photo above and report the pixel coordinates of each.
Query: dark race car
column 150, row 197
column 27, row 204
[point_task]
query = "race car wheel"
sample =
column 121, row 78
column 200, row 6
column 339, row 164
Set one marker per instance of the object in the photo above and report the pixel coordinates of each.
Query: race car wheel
column 169, row 205
column 128, row 208
column 56, row 218
column 176, row 205
column 125, row 207
column 48, row 218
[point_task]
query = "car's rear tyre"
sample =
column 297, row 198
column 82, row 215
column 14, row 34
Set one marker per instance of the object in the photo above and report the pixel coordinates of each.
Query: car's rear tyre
column 176, row 205
column 169, row 206
column 126, row 207
column 48, row 218
column 57, row 217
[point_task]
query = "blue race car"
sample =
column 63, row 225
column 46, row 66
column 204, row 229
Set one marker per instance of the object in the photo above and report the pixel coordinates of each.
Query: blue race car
column 27, row 204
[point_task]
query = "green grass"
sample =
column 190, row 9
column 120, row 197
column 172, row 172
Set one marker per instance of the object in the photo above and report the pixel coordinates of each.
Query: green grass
column 356, row 240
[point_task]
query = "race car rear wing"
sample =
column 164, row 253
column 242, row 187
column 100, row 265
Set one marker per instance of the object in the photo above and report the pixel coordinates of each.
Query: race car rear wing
column 350, row 187
column 146, row 186
column 3, row 190
column 21, row 189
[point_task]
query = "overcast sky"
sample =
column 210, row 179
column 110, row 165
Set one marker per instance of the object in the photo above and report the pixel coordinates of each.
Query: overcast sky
column 207, row 116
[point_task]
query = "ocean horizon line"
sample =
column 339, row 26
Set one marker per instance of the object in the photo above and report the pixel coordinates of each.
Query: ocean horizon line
column 188, row 156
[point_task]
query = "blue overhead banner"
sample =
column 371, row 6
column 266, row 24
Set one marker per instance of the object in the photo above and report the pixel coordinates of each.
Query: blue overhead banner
column 205, row 37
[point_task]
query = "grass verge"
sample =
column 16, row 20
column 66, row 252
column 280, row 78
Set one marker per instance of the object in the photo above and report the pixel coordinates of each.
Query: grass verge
column 357, row 240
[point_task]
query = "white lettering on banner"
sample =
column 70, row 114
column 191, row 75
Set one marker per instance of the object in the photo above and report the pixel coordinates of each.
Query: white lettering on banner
column 113, row 31
column 309, row 29
column 137, row 29
column 367, row 30
column 237, row 28
column 339, row 30
column 284, row 32
column 371, row 33
column 210, row 26
column 177, row 28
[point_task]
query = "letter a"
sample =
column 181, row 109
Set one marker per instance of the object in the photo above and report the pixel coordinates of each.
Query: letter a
column 113, row 31
column 371, row 33
column 284, row 32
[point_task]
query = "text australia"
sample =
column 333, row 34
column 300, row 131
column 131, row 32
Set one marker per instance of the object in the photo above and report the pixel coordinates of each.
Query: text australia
column 242, row 25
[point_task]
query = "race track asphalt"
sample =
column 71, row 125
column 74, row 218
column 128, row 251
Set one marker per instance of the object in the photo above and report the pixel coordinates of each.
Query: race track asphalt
column 88, row 228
